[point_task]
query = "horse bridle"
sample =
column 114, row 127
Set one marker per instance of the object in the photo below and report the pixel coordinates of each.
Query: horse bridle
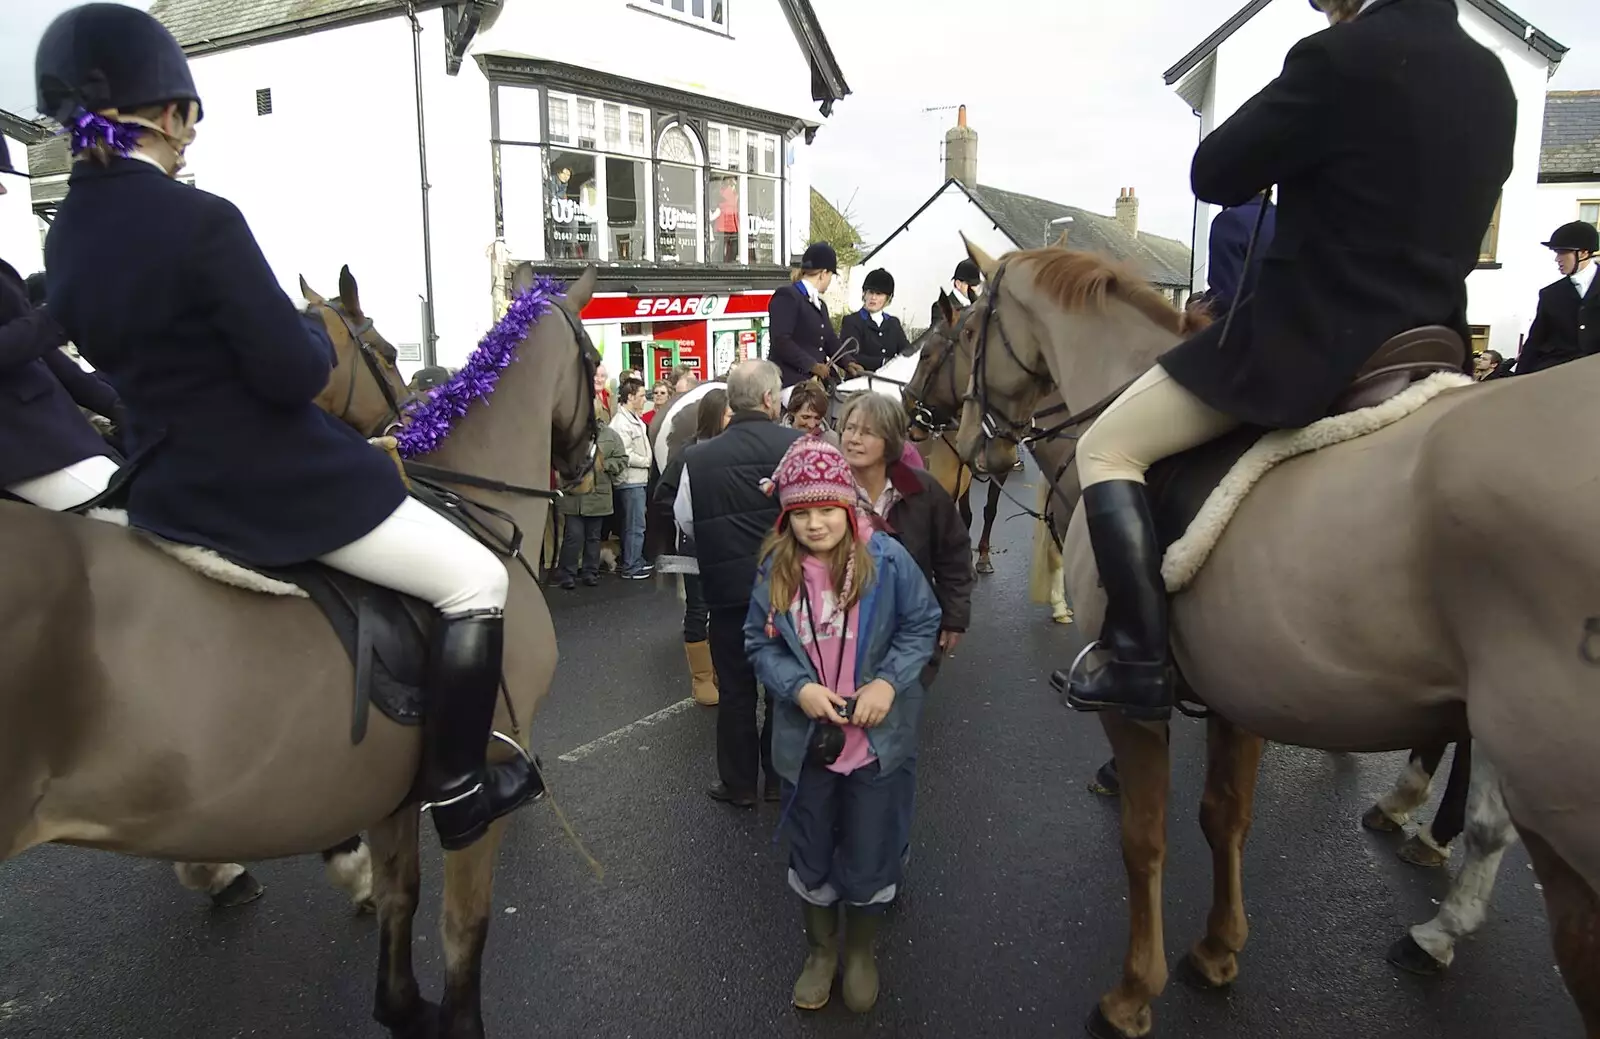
column 368, row 351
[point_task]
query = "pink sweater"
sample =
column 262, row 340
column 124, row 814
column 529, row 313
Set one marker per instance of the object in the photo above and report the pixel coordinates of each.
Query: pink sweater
column 832, row 652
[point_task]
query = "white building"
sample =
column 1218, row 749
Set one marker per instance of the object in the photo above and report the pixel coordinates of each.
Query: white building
column 1247, row 51
column 922, row 253
column 19, row 228
column 433, row 152
column 1569, row 161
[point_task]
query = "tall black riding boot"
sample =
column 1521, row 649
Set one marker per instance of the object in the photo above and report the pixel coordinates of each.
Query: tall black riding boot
column 1137, row 680
column 463, row 793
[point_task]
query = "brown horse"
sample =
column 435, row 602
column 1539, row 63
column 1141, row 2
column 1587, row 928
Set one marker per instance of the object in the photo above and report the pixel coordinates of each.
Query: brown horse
column 365, row 391
column 149, row 710
column 1400, row 632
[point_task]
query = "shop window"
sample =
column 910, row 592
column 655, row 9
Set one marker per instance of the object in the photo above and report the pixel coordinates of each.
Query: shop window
column 762, row 224
column 678, row 214
column 560, row 120
column 724, row 218
column 626, row 208
column 572, row 227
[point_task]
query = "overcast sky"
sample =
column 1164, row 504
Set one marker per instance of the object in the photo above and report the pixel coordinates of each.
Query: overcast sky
column 1067, row 98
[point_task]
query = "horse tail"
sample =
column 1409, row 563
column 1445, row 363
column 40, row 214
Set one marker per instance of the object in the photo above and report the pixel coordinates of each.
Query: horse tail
column 1046, row 555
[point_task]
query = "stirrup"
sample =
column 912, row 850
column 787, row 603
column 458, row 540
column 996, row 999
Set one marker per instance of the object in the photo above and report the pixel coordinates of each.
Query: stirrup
column 428, row 806
column 533, row 762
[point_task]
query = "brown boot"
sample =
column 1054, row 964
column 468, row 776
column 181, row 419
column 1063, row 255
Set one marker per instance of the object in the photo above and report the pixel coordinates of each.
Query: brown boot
column 860, row 960
column 704, row 675
column 815, row 984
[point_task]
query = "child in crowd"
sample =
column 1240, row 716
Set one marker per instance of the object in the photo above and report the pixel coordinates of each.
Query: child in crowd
column 841, row 624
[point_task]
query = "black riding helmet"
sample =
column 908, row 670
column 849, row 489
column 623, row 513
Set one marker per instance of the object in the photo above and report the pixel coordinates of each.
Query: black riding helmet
column 101, row 56
column 879, row 280
column 1577, row 236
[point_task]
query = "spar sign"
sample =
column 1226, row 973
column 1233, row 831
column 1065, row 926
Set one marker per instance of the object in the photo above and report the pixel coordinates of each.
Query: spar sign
column 688, row 307
column 681, row 306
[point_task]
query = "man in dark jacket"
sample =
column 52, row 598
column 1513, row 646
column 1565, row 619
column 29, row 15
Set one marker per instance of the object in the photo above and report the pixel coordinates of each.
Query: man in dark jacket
column 720, row 503
column 49, row 453
column 1567, row 323
column 878, row 336
column 803, row 340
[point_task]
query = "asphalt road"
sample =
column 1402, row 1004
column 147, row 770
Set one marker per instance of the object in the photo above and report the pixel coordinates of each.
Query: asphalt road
column 1012, row 923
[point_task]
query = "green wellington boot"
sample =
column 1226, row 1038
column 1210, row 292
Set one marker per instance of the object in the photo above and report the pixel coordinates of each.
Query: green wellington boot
column 815, row 984
column 860, row 965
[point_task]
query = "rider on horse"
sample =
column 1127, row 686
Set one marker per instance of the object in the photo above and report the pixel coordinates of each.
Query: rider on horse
column 1389, row 136
column 165, row 291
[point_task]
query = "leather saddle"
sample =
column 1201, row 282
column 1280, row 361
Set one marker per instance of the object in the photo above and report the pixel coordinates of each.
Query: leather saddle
column 1408, row 357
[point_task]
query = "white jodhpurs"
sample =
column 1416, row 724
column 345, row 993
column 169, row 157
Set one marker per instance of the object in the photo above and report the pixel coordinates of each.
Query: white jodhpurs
column 67, row 488
column 419, row 552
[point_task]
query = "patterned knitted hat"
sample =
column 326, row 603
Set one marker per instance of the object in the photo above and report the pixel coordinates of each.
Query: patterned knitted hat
column 814, row 473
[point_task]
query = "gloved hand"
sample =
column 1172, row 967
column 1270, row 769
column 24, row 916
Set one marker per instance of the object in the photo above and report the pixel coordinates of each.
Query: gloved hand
column 855, row 370
column 822, row 370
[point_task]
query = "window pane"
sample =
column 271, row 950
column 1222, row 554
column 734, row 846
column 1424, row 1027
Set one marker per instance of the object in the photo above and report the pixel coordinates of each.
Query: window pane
column 677, row 147
column 735, row 149
column 636, row 142
column 677, row 5
column 714, row 145
column 613, row 128
column 752, row 159
column 625, row 208
column 519, row 113
column 522, row 203
column 698, row 8
column 762, row 224
column 572, row 230
column 678, row 214
column 716, row 11
column 1589, row 212
column 769, row 156
column 585, row 123
column 560, row 128
column 724, row 206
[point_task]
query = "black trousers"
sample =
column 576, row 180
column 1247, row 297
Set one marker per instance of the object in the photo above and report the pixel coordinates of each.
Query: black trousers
column 741, row 752
column 696, row 617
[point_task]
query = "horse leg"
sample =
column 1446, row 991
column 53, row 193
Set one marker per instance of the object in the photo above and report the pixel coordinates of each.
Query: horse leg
column 1233, row 762
column 1430, row 846
column 396, row 882
column 1060, row 612
column 991, row 509
column 228, row 884
column 1410, row 792
column 1144, row 766
column 1429, row 947
column 964, row 507
column 349, row 868
column 1574, row 912
column 468, row 888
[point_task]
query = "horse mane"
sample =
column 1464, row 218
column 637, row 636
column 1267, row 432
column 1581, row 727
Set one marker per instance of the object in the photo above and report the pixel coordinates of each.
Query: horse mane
column 1083, row 281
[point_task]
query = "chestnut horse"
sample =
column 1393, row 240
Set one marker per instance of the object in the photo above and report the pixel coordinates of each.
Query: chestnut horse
column 149, row 710
column 1394, row 630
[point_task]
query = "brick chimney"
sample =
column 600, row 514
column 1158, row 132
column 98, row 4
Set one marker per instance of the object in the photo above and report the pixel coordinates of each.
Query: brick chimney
column 961, row 151
column 1128, row 211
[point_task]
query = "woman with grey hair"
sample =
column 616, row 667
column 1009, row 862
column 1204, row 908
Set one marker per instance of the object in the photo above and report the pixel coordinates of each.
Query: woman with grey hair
column 910, row 504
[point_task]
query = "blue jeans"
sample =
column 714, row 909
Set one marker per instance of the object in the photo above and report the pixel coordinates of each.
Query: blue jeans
column 632, row 496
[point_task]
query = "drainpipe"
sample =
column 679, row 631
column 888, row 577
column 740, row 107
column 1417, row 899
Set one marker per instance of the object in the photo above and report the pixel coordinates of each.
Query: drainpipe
column 430, row 337
column 1194, row 220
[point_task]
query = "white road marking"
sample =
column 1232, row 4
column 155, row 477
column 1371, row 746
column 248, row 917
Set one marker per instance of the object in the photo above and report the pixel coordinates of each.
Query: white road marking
column 611, row 739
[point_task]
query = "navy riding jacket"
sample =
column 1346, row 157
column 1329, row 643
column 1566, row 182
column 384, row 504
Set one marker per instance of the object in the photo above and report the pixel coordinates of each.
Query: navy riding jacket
column 163, row 288
column 41, row 390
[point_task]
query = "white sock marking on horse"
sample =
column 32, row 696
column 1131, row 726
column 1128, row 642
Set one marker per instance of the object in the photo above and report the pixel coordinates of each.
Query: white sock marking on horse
column 351, row 873
column 1410, row 792
column 611, row 739
column 209, row 878
column 1487, row 835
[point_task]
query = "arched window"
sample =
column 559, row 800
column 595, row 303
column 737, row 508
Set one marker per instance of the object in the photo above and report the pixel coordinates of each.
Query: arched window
column 680, row 190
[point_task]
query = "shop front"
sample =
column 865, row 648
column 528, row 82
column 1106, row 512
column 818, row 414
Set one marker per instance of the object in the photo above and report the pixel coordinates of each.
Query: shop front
column 706, row 333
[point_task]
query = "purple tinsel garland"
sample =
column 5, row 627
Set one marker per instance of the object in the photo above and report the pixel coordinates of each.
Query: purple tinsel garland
column 429, row 422
column 88, row 129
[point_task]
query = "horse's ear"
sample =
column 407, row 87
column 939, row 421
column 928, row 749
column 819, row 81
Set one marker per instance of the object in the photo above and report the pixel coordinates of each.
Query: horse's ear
column 310, row 294
column 581, row 291
column 945, row 310
column 349, row 298
column 985, row 262
column 522, row 278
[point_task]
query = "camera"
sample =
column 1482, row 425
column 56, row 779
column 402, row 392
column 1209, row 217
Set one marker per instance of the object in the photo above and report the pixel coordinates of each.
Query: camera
column 827, row 739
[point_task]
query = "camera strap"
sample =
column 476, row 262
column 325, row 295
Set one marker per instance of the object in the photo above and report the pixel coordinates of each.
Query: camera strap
column 844, row 632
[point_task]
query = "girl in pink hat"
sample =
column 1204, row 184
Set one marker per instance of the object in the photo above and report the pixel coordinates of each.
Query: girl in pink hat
column 841, row 624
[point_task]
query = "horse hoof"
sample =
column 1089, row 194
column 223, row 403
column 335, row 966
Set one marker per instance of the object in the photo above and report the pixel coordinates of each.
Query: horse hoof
column 244, row 890
column 984, row 567
column 1419, row 852
column 1098, row 1027
column 1413, row 958
column 1106, row 782
column 1064, row 617
column 367, row 907
column 423, row 1022
column 1376, row 820
column 1190, row 974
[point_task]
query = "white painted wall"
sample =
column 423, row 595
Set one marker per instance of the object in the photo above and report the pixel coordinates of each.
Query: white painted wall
column 19, row 229
column 759, row 64
column 1503, row 299
column 922, row 256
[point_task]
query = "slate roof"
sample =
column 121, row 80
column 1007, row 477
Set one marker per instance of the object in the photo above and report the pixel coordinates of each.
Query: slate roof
column 206, row 24
column 1497, row 12
column 1571, row 147
column 28, row 131
column 1025, row 220
column 49, row 158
